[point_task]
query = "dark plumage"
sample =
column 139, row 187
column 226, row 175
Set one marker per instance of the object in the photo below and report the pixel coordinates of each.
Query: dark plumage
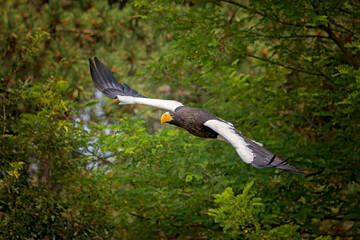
column 105, row 81
column 264, row 158
column 196, row 121
column 193, row 119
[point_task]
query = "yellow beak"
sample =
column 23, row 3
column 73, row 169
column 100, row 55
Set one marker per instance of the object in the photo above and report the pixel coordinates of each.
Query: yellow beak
column 166, row 117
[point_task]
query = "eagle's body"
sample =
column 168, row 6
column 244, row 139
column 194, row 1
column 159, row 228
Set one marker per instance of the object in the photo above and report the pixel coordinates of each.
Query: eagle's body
column 193, row 119
column 196, row 121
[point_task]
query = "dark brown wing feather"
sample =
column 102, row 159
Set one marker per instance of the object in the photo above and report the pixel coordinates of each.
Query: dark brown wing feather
column 264, row 158
column 105, row 81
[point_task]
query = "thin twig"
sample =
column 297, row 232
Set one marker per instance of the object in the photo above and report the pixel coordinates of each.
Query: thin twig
column 297, row 36
column 101, row 157
column 352, row 58
column 347, row 31
column 263, row 14
column 77, row 30
column 4, row 106
column 212, row 177
column 4, row 117
column 276, row 63
column 232, row 16
column 285, row 66
column 345, row 11
column 225, row 36
column 301, row 24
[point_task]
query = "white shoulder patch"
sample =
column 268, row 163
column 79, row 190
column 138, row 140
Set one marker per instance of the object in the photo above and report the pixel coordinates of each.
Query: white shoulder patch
column 260, row 144
column 125, row 99
column 227, row 131
column 159, row 103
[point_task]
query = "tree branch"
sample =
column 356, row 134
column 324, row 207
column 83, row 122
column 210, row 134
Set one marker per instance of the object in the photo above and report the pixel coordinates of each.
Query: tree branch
column 276, row 63
column 285, row 66
column 345, row 11
column 353, row 59
column 263, row 14
column 4, row 105
column 101, row 158
column 212, row 177
column 346, row 31
column 298, row 36
column 77, row 30
column 4, row 117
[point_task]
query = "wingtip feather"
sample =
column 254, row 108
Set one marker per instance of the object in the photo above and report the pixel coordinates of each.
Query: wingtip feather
column 105, row 81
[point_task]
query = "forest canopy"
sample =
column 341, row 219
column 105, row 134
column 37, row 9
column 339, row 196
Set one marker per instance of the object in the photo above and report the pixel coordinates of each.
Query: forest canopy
column 75, row 165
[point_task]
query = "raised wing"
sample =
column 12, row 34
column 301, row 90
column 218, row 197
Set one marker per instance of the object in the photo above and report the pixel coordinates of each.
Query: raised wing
column 250, row 151
column 105, row 81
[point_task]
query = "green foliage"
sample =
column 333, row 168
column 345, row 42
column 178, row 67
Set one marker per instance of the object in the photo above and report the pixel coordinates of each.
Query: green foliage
column 238, row 212
column 243, row 216
column 74, row 165
column 37, row 144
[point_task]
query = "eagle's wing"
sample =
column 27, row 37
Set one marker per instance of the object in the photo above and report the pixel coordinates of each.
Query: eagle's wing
column 250, row 151
column 107, row 84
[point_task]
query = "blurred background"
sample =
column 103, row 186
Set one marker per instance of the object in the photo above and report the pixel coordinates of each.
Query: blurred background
column 75, row 165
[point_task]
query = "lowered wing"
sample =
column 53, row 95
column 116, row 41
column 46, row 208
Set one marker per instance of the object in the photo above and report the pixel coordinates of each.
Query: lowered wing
column 249, row 150
column 105, row 81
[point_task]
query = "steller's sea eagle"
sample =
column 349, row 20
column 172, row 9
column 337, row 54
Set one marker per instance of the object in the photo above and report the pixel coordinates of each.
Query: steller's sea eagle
column 196, row 121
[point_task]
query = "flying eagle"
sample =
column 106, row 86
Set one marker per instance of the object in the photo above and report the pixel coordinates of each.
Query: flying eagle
column 196, row 121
